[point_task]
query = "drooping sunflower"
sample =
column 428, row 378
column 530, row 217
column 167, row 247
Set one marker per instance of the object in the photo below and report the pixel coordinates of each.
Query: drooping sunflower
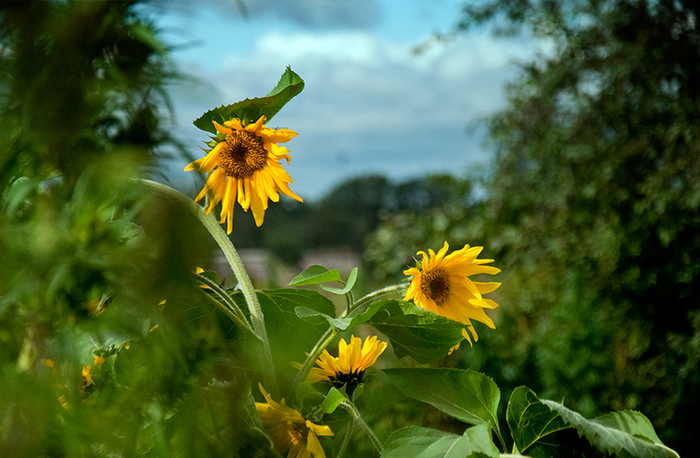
column 441, row 285
column 289, row 430
column 350, row 365
column 244, row 166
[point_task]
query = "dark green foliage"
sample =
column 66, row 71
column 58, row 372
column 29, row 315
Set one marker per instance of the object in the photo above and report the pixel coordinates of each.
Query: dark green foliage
column 83, row 115
column 592, row 211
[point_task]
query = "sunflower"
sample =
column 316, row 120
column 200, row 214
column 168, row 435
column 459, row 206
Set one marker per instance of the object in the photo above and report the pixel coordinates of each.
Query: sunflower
column 350, row 365
column 441, row 285
column 245, row 166
column 289, row 430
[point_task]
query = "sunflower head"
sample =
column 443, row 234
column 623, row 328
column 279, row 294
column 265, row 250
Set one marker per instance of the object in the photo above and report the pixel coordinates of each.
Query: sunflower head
column 289, row 430
column 440, row 283
column 348, row 369
column 244, row 167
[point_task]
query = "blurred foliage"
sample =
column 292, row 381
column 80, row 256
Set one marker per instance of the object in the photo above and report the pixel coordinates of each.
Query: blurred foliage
column 592, row 211
column 90, row 262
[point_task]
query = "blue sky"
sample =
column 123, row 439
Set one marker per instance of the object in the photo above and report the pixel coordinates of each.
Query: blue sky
column 370, row 106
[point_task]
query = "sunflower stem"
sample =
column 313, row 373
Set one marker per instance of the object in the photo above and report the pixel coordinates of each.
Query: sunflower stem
column 229, row 306
column 346, row 439
column 350, row 407
column 221, row 238
column 322, row 343
column 380, row 292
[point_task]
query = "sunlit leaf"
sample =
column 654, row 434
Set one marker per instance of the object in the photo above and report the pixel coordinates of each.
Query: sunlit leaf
column 466, row 395
column 417, row 441
column 315, row 275
column 289, row 85
column 333, row 399
column 352, row 278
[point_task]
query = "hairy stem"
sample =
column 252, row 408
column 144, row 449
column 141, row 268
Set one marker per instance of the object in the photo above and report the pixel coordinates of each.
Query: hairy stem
column 350, row 407
column 221, row 238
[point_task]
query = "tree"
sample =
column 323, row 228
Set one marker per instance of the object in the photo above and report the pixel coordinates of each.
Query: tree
column 597, row 172
column 592, row 212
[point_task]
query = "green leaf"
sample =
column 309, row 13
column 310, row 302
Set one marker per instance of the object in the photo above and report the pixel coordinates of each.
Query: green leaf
column 532, row 424
column 352, row 278
column 422, row 335
column 340, row 323
column 314, row 275
column 618, row 434
column 289, row 85
column 417, row 441
column 466, row 395
column 290, row 336
column 333, row 399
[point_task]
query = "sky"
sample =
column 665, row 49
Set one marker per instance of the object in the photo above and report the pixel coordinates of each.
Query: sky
column 371, row 104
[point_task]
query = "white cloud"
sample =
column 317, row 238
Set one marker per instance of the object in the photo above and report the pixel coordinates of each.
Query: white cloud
column 370, row 104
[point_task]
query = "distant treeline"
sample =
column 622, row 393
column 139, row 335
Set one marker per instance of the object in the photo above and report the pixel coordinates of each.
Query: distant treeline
column 346, row 215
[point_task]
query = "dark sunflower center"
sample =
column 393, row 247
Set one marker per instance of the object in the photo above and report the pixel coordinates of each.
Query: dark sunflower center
column 296, row 431
column 350, row 380
column 436, row 285
column 243, row 154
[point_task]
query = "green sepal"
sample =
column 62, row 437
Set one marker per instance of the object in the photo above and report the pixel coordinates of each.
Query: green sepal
column 250, row 110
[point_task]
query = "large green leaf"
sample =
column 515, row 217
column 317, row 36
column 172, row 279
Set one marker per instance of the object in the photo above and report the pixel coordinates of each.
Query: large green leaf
column 422, row 335
column 416, row 441
column 290, row 336
column 466, row 395
column 540, row 429
column 533, row 425
column 624, row 434
column 289, row 85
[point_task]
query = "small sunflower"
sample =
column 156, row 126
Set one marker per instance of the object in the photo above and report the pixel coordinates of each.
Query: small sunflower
column 245, row 166
column 289, row 430
column 441, row 285
column 350, row 365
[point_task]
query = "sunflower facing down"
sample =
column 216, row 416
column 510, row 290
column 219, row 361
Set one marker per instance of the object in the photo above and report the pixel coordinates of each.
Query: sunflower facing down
column 350, row 365
column 245, row 167
column 441, row 285
column 289, row 430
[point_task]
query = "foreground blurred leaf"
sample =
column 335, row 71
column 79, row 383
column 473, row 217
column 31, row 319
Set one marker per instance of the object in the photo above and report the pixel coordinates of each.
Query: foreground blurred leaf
column 422, row 335
column 290, row 336
column 416, row 441
column 466, row 395
column 289, row 85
